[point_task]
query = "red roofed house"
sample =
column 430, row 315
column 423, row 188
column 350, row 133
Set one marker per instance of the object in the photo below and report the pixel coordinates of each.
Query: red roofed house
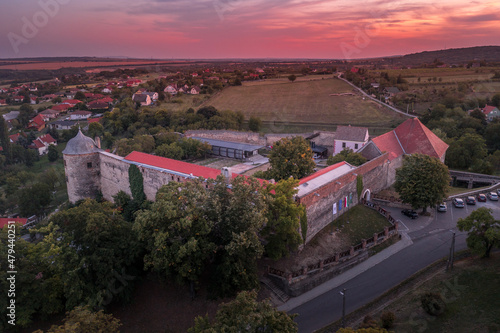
column 61, row 107
column 71, row 102
column 97, row 105
column 37, row 123
column 42, row 143
column 94, row 120
column 408, row 138
column 15, row 137
column 491, row 112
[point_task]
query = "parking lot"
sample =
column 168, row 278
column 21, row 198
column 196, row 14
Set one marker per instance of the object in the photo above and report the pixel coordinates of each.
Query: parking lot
column 439, row 221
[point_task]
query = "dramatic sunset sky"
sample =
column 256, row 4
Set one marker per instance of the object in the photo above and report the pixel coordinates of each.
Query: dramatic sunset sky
column 341, row 29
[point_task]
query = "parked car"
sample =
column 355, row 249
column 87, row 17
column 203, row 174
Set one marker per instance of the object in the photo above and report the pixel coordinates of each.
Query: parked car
column 459, row 203
column 493, row 196
column 442, row 207
column 498, row 191
column 481, row 197
column 470, row 200
column 410, row 213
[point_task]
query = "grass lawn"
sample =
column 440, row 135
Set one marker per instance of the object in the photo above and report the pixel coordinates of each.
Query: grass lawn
column 470, row 292
column 459, row 190
column 363, row 223
column 305, row 102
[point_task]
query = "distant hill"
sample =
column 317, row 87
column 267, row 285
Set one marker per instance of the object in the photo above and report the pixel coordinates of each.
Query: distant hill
column 449, row 56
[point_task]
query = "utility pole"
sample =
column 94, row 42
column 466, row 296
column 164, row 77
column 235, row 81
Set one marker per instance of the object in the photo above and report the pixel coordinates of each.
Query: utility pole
column 343, row 307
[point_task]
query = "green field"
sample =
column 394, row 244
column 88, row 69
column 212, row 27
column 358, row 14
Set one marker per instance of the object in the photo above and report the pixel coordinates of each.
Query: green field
column 305, row 102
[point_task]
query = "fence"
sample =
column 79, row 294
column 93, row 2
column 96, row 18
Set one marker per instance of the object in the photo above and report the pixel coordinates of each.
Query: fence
column 289, row 278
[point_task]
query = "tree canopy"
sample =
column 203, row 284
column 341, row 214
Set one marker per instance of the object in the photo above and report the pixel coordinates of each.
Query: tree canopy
column 246, row 314
column 291, row 158
column 284, row 218
column 484, row 231
column 422, row 181
column 347, row 155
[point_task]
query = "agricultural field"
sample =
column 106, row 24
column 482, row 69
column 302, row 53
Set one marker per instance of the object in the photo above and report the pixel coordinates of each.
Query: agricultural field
column 305, row 102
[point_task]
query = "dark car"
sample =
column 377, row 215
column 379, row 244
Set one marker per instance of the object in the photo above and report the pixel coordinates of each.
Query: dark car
column 481, row 197
column 410, row 213
column 459, row 203
column 470, row 200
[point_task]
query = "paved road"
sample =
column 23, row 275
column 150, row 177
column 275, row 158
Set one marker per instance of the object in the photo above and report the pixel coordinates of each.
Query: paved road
column 430, row 241
column 376, row 100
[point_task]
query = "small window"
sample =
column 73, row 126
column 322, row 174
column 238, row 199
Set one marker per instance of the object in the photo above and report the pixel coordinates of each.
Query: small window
column 178, row 179
column 355, row 146
column 343, row 144
column 89, row 165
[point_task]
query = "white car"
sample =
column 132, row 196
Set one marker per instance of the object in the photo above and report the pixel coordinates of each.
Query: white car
column 492, row 196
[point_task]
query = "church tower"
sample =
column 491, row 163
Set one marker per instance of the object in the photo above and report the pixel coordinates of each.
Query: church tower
column 82, row 167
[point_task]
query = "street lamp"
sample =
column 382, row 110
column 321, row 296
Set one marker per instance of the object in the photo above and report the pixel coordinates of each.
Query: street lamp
column 343, row 306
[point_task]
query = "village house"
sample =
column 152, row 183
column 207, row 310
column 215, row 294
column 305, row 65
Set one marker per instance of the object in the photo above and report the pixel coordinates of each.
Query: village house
column 195, row 90
column 50, row 114
column 171, row 89
column 63, row 124
column 143, row 99
column 63, row 108
column 97, row 105
column 349, row 137
column 491, row 112
column 37, row 123
column 42, row 143
column 14, row 138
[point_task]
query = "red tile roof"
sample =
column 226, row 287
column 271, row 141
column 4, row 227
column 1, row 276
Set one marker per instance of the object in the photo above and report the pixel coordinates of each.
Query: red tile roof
column 60, row 107
column 47, row 138
column 409, row 138
column 321, row 172
column 71, row 101
column 36, row 144
column 488, row 108
column 94, row 120
column 416, row 138
column 15, row 137
column 5, row 220
column 388, row 142
column 38, row 120
column 173, row 165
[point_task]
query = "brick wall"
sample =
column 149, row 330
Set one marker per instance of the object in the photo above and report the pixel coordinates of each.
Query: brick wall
column 320, row 208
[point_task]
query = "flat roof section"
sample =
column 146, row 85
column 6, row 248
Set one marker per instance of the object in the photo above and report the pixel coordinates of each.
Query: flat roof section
column 323, row 177
column 229, row 144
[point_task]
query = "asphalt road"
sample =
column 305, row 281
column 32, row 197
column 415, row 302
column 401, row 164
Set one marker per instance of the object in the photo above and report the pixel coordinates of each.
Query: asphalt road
column 431, row 241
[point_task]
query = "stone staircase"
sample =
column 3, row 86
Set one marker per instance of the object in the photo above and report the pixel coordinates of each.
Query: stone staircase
column 274, row 288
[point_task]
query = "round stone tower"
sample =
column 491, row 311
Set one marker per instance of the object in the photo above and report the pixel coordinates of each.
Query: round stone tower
column 81, row 165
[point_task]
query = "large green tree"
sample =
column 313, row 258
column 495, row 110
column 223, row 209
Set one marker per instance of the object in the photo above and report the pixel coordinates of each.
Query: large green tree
column 347, row 155
column 484, row 231
column 291, row 158
column 468, row 150
column 246, row 314
column 83, row 320
column 34, row 200
column 175, row 232
column 39, row 278
column 284, row 218
column 238, row 215
column 422, row 181
column 100, row 254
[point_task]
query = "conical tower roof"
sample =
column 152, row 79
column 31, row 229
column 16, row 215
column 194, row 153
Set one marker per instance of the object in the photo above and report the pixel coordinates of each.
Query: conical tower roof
column 80, row 145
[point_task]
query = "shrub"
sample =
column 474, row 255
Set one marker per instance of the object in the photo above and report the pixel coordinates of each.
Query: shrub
column 433, row 303
column 368, row 322
column 387, row 319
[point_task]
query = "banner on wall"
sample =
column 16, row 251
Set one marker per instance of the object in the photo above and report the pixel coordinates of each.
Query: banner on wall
column 334, row 208
column 340, row 204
